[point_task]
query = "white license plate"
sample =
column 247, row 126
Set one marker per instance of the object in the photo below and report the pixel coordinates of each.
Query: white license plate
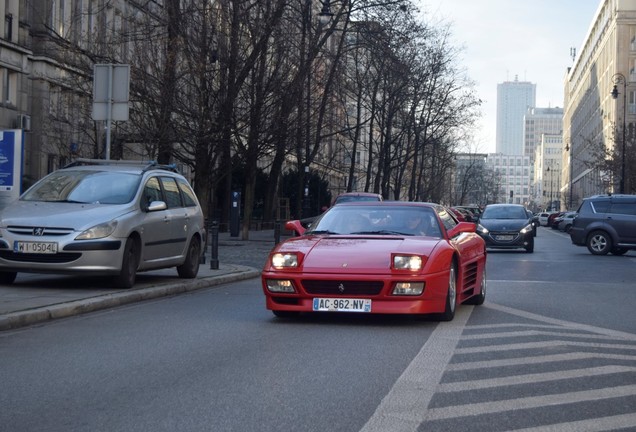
column 35, row 247
column 505, row 237
column 341, row 305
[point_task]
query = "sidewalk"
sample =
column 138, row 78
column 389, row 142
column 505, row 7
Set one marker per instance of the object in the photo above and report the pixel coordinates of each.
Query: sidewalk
column 35, row 298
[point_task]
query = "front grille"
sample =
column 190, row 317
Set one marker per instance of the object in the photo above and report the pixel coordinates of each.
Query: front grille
column 342, row 288
column 63, row 257
column 39, row 231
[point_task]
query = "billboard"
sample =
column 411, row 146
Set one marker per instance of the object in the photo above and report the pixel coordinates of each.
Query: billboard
column 11, row 149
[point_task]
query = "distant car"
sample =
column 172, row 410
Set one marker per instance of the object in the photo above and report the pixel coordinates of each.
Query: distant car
column 566, row 221
column 357, row 196
column 554, row 224
column 606, row 224
column 551, row 218
column 506, row 226
column 543, row 218
column 535, row 222
column 475, row 210
column 466, row 214
column 98, row 217
column 377, row 257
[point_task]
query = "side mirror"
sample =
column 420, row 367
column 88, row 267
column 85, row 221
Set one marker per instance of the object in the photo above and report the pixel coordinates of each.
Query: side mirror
column 296, row 226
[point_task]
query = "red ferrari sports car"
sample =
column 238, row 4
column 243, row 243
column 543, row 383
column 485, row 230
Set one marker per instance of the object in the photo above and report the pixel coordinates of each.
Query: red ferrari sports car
column 377, row 257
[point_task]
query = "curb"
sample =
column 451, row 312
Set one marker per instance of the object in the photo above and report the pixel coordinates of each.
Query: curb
column 28, row 317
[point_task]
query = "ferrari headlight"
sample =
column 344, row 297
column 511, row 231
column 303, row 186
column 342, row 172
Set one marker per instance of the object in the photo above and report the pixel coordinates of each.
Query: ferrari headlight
column 408, row 288
column 280, row 286
column 98, row 231
column 407, row 262
column 280, row 260
column 526, row 229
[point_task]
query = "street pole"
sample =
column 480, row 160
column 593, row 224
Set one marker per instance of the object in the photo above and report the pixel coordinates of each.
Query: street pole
column 619, row 78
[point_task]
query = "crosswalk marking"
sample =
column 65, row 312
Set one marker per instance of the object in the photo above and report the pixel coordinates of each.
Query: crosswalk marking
column 457, row 359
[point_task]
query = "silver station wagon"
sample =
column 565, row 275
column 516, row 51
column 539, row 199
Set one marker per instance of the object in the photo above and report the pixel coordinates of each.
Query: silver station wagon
column 102, row 217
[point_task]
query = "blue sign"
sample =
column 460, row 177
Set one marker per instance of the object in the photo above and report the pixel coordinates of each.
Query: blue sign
column 7, row 158
column 11, row 155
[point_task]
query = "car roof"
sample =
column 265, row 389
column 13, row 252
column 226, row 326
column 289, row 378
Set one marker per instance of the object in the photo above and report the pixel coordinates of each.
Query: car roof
column 128, row 166
column 388, row 204
column 504, row 205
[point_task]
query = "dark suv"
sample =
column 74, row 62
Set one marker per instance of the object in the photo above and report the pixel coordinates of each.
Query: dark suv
column 606, row 223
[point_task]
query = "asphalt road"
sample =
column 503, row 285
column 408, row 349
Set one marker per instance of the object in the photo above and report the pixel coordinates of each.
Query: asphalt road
column 543, row 353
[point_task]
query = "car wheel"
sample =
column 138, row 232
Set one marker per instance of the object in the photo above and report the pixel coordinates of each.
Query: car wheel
column 285, row 314
column 619, row 251
column 599, row 243
column 481, row 297
column 568, row 228
column 190, row 267
column 530, row 247
column 130, row 261
column 7, row 278
column 451, row 296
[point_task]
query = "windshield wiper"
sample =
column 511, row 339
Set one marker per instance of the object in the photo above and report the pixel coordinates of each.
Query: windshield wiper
column 383, row 232
column 320, row 232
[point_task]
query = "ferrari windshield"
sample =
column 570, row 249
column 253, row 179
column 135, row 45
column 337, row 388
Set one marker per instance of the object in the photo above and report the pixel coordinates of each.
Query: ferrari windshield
column 384, row 220
column 94, row 187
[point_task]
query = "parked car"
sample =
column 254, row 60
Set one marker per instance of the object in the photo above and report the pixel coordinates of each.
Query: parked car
column 100, row 217
column 606, row 224
column 464, row 213
column 554, row 224
column 377, row 257
column 565, row 222
column 475, row 210
column 506, row 226
column 552, row 217
column 543, row 218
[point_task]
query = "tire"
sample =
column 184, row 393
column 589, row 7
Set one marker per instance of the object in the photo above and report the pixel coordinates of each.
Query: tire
column 7, row 278
column 568, row 228
column 530, row 247
column 190, row 267
column 599, row 243
column 130, row 262
column 619, row 251
column 451, row 295
column 479, row 299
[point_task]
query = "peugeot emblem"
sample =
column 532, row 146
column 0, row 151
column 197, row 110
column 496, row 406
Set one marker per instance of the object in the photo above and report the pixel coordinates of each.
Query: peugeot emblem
column 341, row 288
column 39, row 232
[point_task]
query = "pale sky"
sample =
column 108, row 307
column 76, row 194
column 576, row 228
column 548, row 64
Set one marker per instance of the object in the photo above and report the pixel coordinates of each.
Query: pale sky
column 503, row 38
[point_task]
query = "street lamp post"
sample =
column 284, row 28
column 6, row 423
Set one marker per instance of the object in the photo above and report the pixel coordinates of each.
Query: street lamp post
column 617, row 79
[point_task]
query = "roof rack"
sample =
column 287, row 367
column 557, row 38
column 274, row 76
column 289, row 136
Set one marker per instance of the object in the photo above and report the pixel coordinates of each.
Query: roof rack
column 147, row 165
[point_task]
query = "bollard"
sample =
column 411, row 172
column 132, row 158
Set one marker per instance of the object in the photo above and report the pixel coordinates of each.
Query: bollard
column 277, row 232
column 214, row 246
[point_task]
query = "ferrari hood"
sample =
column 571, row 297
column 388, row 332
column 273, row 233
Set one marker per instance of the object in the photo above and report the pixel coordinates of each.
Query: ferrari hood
column 355, row 254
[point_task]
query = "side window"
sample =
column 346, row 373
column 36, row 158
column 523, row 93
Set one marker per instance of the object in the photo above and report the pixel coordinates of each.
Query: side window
column 448, row 221
column 189, row 198
column 152, row 192
column 171, row 190
column 601, row 206
column 625, row 208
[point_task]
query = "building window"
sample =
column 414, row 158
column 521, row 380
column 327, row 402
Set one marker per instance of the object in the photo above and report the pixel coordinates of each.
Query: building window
column 8, row 26
column 9, row 87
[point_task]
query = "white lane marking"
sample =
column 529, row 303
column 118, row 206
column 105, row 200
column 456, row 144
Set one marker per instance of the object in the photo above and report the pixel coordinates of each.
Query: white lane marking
column 404, row 408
